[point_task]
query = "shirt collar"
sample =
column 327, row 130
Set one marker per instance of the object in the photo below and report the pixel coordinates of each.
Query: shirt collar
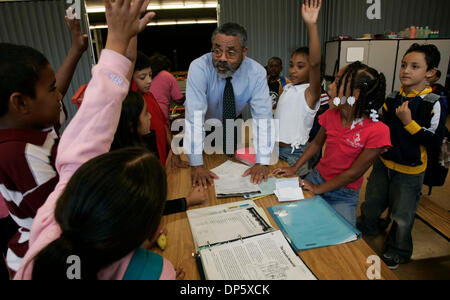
column 35, row 137
column 415, row 93
column 298, row 87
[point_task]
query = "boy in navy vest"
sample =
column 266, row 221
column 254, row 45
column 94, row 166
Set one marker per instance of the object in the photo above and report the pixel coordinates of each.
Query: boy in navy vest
column 416, row 118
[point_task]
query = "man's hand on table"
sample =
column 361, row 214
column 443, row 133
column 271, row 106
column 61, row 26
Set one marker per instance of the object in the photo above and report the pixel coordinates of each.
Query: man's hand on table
column 202, row 177
column 257, row 173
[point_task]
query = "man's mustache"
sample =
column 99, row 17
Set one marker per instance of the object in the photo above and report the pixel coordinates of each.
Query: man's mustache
column 223, row 64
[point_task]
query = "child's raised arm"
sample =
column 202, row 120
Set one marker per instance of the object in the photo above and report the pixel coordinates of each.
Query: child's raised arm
column 310, row 15
column 79, row 46
column 91, row 131
column 103, row 98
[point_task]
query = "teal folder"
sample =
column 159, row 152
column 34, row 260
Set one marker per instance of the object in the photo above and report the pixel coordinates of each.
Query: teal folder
column 313, row 223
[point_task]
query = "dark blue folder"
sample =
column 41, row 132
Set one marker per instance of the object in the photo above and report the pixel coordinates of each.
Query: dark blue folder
column 313, row 223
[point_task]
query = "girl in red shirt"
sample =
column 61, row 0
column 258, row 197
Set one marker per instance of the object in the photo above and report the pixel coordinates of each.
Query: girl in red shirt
column 142, row 81
column 353, row 135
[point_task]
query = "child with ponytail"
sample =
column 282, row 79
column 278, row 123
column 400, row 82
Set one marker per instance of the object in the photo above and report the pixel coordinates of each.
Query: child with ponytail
column 353, row 135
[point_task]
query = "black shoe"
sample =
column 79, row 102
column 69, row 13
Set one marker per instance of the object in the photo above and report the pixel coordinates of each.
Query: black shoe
column 393, row 261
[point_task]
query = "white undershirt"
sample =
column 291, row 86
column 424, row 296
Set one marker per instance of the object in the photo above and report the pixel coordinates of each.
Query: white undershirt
column 295, row 116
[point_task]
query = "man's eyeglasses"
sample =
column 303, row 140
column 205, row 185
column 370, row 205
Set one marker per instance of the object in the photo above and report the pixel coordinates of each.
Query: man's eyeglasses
column 217, row 52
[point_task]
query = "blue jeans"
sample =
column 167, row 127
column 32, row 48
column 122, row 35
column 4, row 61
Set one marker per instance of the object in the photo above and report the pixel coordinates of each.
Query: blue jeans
column 401, row 193
column 343, row 200
column 291, row 158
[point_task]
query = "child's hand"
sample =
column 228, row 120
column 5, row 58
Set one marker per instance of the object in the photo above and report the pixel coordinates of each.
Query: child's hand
column 176, row 162
column 285, row 172
column 80, row 41
column 197, row 196
column 308, row 186
column 124, row 22
column 310, row 11
column 404, row 113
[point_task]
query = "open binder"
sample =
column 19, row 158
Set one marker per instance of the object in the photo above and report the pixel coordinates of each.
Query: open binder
column 313, row 223
column 235, row 242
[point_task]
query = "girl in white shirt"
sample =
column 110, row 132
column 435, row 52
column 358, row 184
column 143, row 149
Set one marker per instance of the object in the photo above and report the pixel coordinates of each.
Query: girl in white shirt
column 299, row 102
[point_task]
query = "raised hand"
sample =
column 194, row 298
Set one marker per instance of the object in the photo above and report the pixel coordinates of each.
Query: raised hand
column 310, row 11
column 124, row 22
column 79, row 40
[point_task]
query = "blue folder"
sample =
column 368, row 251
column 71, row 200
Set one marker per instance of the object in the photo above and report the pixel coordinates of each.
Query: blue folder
column 313, row 223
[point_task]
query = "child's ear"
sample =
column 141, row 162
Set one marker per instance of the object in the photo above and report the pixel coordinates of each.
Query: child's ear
column 18, row 102
column 431, row 73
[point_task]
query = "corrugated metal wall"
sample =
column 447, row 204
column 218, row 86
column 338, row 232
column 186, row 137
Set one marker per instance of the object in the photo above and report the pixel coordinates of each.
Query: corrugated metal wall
column 275, row 27
column 41, row 25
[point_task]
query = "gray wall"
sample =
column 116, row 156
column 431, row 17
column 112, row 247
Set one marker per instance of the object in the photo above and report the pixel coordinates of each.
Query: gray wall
column 275, row 27
column 41, row 25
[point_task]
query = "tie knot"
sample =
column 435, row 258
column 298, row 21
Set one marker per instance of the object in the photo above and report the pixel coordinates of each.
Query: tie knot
column 229, row 79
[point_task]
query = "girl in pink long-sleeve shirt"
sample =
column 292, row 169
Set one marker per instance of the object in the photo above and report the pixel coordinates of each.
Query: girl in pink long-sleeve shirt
column 105, row 205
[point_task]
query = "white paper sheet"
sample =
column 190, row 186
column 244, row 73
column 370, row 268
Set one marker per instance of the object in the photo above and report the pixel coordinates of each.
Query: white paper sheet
column 222, row 223
column 231, row 182
column 355, row 54
column 288, row 190
column 264, row 257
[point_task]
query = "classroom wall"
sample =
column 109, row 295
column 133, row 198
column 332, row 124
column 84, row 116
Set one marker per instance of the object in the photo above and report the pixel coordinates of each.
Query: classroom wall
column 41, row 25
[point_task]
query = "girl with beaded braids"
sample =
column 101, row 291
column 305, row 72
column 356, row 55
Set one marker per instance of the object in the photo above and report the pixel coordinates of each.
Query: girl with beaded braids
column 353, row 135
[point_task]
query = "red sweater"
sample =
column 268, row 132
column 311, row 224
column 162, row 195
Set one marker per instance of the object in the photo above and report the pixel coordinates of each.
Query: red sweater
column 158, row 123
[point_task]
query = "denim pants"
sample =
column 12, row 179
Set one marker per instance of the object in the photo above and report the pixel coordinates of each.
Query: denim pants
column 286, row 154
column 401, row 193
column 343, row 200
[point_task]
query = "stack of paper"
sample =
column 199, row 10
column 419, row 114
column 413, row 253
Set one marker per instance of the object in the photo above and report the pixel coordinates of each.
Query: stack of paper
column 235, row 241
column 231, row 183
column 288, row 190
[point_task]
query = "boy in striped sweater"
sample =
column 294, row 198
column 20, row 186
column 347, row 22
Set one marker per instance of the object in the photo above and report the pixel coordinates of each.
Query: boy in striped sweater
column 30, row 112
